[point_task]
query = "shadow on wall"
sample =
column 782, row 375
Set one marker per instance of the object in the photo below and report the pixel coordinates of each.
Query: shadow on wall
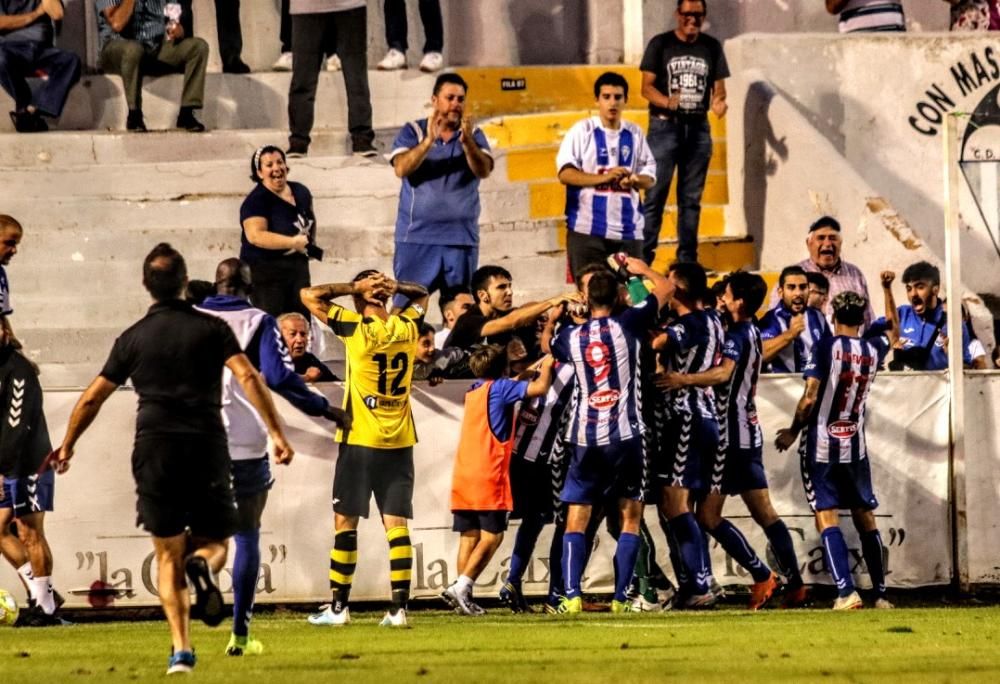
column 763, row 151
column 549, row 33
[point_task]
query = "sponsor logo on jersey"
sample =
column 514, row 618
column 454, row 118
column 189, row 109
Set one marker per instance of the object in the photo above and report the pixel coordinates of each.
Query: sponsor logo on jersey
column 842, row 429
column 527, row 417
column 604, row 399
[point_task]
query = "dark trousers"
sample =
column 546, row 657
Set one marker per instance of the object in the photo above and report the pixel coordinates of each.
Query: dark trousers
column 285, row 33
column 688, row 148
column 132, row 60
column 430, row 16
column 583, row 250
column 227, row 22
column 276, row 285
column 308, row 34
column 19, row 60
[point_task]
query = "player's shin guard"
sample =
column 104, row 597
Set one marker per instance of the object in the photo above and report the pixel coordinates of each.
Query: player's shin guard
column 400, row 564
column 246, row 567
column 574, row 561
column 524, row 546
column 690, row 545
column 784, row 551
column 835, row 550
column 871, row 548
column 625, row 557
column 737, row 546
column 343, row 560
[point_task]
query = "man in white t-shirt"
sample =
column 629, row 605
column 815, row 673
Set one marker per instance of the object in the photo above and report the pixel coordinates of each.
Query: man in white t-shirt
column 604, row 161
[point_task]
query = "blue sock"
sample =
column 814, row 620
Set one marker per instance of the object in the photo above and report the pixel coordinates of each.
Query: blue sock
column 574, row 561
column 784, row 551
column 557, row 583
column 625, row 555
column 835, row 550
column 737, row 546
column 673, row 548
column 246, row 567
column 524, row 546
column 871, row 547
column 690, row 546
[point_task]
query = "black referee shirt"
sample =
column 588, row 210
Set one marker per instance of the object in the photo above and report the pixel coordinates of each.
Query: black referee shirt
column 175, row 357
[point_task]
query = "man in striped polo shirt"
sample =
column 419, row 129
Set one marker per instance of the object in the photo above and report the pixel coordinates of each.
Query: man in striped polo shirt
column 604, row 161
column 836, row 472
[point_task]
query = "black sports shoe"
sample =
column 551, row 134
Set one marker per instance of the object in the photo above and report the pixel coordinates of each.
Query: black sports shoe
column 237, row 67
column 34, row 616
column 297, row 150
column 363, row 148
column 135, row 122
column 209, row 605
column 28, row 122
column 187, row 121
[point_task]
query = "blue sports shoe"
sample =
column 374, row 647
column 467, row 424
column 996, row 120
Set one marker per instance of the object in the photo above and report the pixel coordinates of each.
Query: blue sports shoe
column 181, row 662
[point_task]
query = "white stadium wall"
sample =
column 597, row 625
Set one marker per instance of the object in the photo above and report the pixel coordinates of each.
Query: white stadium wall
column 94, row 537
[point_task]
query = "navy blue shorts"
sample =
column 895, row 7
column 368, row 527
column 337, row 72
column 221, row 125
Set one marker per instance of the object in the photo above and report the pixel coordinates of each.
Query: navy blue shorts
column 434, row 266
column 251, row 477
column 493, row 522
column 31, row 494
column 602, row 473
column 688, row 444
column 832, row 486
column 737, row 470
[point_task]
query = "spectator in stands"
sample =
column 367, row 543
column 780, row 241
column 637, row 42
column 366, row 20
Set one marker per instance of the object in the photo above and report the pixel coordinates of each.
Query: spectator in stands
column 604, row 162
column 313, row 22
column 824, row 243
column 230, row 34
column 867, row 16
column 433, row 363
column 819, row 290
column 453, row 302
column 441, row 160
column 395, row 36
column 284, row 63
column 279, row 234
column 139, row 38
column 975, row 15
column 295, row 331
column 975, row 349
column 683, row 77
column 26, row 48
column 198, row 291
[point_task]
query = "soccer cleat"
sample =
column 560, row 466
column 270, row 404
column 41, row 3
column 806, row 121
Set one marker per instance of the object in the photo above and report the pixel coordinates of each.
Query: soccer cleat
column 240, row 646
column 883, row 603
column 34, row 616
column 457, row 600
column 209, row 605
column 475, row 609
column 551, row 605
column 850, row 602
column 717, row 590
column 181, row 662
column 623, row 606
column 570, row 606
column 327, row 616
column 796, row 598
column 284, row 62
column 698, row 602
column 393, row 61
column 641, row 604
column 432, row 61
column 333, row 63
column 397, row 619
column 761, row 592
column 512, row 597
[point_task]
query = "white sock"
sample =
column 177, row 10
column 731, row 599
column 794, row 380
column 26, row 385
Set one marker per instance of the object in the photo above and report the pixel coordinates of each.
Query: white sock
column 46, row 599
column 25, row 572
column 464, row 584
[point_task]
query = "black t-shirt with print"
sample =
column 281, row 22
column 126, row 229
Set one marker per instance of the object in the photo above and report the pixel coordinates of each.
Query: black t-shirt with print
column 691, row 68
column 282, row 218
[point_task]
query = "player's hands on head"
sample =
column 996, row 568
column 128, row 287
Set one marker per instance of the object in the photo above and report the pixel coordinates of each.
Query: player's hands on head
column 785, row 439
column 887, row 277
column 797, row 324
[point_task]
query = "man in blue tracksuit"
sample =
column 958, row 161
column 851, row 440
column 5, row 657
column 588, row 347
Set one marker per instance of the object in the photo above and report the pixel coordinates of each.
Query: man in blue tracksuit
column 261, row 340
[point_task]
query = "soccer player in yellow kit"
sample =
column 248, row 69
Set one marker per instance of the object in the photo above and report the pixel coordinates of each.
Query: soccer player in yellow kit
column 376, row 453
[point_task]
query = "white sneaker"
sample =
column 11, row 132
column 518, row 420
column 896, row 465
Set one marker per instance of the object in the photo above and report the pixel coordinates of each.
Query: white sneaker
column 432, row 62
column 457, row 600
column 327, row 616
column 641, row 605
column 883, row 604
column 393, row 60
column 397, row 620
column 284, row 62
column 850, row 602
column 333, row 63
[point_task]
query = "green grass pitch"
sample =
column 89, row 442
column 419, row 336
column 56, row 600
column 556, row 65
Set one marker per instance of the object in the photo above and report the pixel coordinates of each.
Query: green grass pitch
column 910, row 644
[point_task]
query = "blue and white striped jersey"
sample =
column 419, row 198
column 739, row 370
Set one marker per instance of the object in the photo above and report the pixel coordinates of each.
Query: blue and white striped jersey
column 608, row 211
column 845, row 368
column 605, row 354
column 540, row 418
column 737, row 399
column 696, row 341
column 793, row 358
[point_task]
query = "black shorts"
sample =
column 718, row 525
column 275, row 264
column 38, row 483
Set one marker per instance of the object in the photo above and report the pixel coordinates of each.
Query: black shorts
column 535, row 489
column 184, row 482
column 494, row 522
column 363, row 471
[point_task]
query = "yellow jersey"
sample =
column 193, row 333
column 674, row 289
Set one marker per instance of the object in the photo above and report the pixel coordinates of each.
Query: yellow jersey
column 379, row 372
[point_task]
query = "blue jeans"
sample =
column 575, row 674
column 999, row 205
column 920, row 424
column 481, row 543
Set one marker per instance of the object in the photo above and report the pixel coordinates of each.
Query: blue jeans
column 688, row 147
column 18, row 62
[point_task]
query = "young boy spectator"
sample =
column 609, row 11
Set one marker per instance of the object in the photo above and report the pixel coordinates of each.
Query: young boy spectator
column 481, row 498
column 453, row 302
column 431, row 363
